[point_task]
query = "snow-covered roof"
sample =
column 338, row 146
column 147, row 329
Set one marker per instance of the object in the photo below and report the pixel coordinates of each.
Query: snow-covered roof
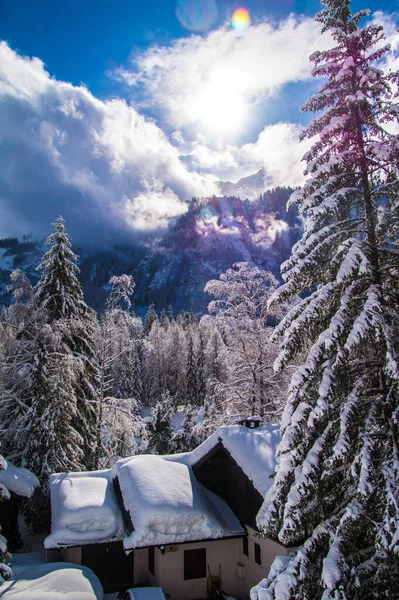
column 254, row 450
column 84, row 509
column 18, row 480
column 167, row 505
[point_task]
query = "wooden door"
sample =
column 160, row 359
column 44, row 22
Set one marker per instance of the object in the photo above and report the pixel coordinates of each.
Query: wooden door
column 113, row 567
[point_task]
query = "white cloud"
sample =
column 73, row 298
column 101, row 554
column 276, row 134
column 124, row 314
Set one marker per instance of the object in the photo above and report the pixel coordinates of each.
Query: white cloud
column 277, row 150
column 65, row 151
column 153, row 207
column 212, row 84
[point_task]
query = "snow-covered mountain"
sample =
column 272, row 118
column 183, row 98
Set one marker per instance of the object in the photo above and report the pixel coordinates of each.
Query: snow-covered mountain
column 247, row 187
column 173, row 269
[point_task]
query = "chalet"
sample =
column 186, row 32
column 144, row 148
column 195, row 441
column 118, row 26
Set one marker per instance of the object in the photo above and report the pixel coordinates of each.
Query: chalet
column 180, row 522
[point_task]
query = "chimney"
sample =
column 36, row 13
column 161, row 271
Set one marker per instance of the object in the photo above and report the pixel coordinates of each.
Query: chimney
column 250, row 422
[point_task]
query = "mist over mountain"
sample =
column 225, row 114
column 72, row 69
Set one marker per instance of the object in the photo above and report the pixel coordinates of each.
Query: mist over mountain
column 173, row 269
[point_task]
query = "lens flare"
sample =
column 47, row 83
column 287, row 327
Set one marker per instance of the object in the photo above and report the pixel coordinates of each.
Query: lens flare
column 196, row 15
column 240, row 20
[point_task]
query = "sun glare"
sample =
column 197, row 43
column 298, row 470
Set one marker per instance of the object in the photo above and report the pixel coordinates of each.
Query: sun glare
column 220, row 106
column 240, row 20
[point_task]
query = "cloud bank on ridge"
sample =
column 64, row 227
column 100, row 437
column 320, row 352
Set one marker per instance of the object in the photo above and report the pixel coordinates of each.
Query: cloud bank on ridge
column 101, row 164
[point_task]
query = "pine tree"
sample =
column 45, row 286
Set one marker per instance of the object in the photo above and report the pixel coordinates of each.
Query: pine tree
column 59, row 290
column 191, row 373
column 5, row 570
column 337, row 483
column 21, row 325
column 53, row 444
column 59, row 293
column 187, row 439
column 161, row 430
column 150, row 318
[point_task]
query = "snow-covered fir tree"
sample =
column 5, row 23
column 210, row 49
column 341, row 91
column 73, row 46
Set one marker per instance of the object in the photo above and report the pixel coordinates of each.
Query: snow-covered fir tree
column 150, row 318
column 160, row 430
column 186, row 439
column 20, row 326
column 59, row 293
column 5, row 569
column 53, row 443
column 336, row 489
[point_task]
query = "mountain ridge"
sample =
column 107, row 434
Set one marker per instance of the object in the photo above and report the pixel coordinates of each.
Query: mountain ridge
column 173, row 269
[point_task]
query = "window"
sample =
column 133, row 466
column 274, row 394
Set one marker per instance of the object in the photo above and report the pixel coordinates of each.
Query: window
column 151, row 560
column 258, row 558
column 245, row 549
column 195, row 563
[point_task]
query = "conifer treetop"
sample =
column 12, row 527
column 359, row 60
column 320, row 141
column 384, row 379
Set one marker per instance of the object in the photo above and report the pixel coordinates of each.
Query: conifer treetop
column 336, row 488
column 59, row 290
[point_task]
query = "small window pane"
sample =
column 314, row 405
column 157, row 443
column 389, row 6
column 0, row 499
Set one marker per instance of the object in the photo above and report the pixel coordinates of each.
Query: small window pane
column 245, row 549
column 258, row 558
column 195, row 563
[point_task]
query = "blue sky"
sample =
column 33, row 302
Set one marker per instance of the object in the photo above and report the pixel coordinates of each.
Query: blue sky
column 113, row 112
column 81, row 40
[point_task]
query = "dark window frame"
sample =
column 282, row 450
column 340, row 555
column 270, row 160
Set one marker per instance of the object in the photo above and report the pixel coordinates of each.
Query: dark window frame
column 195, row 564
column 257, row 553
column 151, row 560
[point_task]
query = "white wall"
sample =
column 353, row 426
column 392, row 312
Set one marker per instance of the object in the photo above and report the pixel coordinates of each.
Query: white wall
column 254, row 573
column 169, row 569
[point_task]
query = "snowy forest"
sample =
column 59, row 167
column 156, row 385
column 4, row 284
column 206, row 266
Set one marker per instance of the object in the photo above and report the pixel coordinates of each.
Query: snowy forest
column 75, row 387
column 317, row 354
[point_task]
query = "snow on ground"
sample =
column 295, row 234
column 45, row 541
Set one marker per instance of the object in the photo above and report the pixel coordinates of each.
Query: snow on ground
column 34, row 580
column 84, row 509
column 254, row 450
column 167, row 504
column 18, row 480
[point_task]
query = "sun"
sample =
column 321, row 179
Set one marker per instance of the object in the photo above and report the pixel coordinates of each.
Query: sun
column 220, row 106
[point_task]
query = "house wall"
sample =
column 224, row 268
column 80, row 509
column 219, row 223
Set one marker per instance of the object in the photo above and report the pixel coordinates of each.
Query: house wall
column 72, row 555
column 141, row 573
column 169, row 569
column 254, row 573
